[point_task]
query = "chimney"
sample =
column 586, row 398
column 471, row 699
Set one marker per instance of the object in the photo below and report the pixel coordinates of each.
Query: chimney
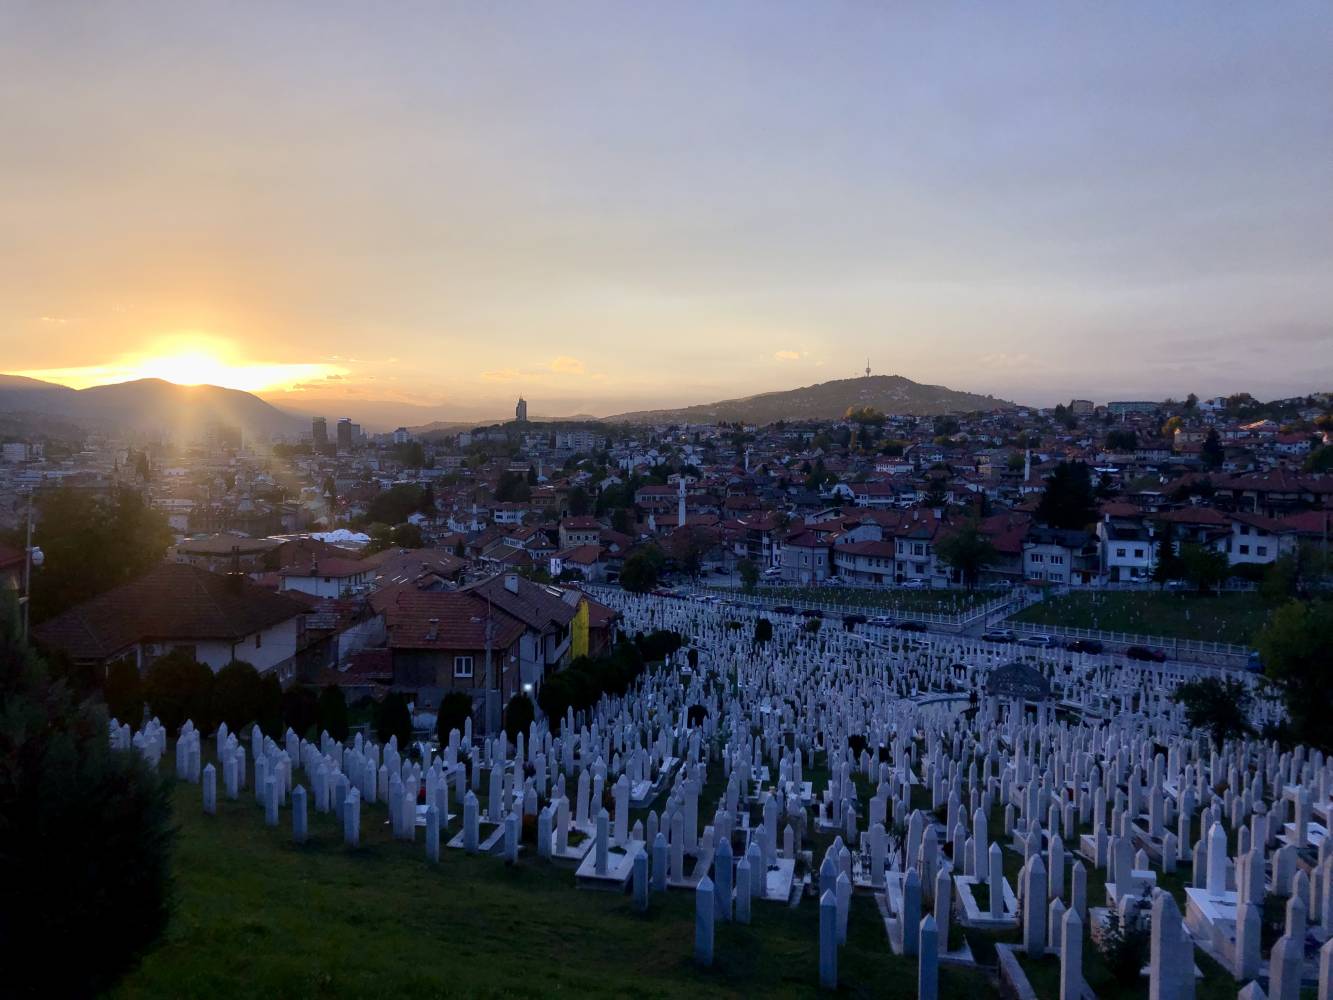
column 511, row 582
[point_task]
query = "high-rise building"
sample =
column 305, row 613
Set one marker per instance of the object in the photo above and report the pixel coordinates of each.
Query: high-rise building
column 319, row 433
column 521, row 411
column 344, row 433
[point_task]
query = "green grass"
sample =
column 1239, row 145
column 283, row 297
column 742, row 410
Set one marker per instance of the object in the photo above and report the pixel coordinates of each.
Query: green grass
column 1231, row 617
column 880, row 599
column 256, row 915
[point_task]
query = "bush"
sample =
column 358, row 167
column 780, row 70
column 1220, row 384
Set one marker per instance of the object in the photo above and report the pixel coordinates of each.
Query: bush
column 333, row 712
column 85, row 837
column 763, row 631
column 300, row 710
column 123, row 691
column 519, row 714
column 695, row 715
column 236, row 694
column 1124, row 949
column 177, row 688
column 270, row 705
column 455, row 710
column 393, row 719
column 812, row 625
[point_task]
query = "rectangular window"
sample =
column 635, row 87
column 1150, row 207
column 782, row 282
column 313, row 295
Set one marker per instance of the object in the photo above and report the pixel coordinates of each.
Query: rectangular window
column 1036, row 557
column 1262, row 550
column 1138, row 553
column 462, row 666
column 1245, row 550
column 1120, row 553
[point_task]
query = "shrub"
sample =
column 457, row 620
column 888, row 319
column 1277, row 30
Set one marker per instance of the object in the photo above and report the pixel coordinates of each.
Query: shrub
column 763, row 631
column 455, row 711
column 333, row 712
column 300, row 710
column 177, row 688
column 85, row 836
column 1124, row 949
column 519, row 714
column 270, row 705
column 393, row 719
column 123, row 691
column 236, row 694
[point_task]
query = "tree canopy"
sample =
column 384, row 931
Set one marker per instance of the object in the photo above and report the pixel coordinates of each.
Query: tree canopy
column 1296, row 648
column 1068, row 500
column 968, row 551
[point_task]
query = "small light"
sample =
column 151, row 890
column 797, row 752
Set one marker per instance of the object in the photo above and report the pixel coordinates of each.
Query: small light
column 38, row 556
column 527, row 688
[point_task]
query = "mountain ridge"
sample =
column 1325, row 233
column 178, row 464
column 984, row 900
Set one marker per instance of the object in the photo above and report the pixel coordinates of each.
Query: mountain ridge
column 894, row 395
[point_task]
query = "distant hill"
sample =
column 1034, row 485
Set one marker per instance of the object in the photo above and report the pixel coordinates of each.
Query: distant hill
column 891, row 394
column 146, row 405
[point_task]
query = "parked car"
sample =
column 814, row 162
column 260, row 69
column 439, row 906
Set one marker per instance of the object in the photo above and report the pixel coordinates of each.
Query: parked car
column 1144, row 653
column 812, row 613
column 1085, row 646
column 998, row 635
column 772, row 572
column 850, row 620
column 1037, row 641
column 884, row 621
column 911, row 626
column 784, row 609
column 914, row 585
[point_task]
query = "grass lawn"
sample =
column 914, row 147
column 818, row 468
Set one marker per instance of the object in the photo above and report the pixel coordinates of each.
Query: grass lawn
column 257, row 916
column 1230, row 617
column 880, row 599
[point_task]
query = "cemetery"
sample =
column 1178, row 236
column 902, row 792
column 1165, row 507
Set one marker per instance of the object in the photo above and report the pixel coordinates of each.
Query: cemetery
column 888, row 815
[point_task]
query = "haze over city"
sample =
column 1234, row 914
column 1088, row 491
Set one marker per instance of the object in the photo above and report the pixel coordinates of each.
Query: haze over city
column 607, row 208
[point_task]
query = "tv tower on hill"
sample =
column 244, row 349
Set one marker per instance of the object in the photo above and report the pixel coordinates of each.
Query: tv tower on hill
column 867, row 368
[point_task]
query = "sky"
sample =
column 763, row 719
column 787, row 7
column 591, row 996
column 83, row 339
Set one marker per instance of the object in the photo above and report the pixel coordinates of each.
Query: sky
column 606, row 207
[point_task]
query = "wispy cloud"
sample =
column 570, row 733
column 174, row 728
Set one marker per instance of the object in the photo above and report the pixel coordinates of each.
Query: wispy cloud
column 565, row 365
column 788, row 356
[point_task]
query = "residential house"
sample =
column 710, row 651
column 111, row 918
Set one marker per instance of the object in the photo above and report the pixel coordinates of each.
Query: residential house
column 215, row 618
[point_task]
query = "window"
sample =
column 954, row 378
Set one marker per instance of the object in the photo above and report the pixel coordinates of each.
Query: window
column 462, row 666
column 1245, row 550
column 1138, row 553
column 1036, row 557
column 1057, row 560
column 1261, row 550
column 1120, row 553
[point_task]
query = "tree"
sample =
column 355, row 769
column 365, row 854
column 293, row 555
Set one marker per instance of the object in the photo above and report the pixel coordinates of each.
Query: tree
column 936, row 494
column 1222, row 707
column 333, row 712
column 763, row 631
column 455, row 710
column 86, row 835
column 519, row 714
column 300, row 710
column 1203, row 567
column 123, row 691
column 392, row 718
column 578, row 502
column 395, row 505
column 620, row 521
column 236, row 695
column 1068, row 501
column 639, row 574
column 1296, row 648
column 749, row 574
column 92, row 544
column 1121, row 439
column 968, row 551
column 512, row 487
column 1212, row 454
column 1169, row 564
column 1320, row 460
column 269, row 717
column 178, row 688
column 408, row 536
column 688, row 546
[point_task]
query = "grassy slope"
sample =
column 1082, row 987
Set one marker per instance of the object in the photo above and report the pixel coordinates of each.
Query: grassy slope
column 259, row 916
column 1232, row 617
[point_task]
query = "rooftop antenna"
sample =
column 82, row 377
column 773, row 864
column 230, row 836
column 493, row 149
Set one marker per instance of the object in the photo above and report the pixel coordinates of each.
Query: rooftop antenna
column 867, row 368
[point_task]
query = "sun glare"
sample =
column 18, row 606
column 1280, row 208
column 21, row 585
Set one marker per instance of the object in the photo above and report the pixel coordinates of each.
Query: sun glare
column 190, row 361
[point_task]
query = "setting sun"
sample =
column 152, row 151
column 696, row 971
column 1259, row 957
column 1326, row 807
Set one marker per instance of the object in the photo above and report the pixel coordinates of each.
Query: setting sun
column 189, row 360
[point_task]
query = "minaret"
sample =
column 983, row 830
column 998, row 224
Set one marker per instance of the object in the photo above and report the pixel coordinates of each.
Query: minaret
column 680, row 515
column 867, row 368
column 1027, row 464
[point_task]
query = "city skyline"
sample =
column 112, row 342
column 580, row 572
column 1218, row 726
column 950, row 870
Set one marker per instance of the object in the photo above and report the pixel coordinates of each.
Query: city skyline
column 448, row 208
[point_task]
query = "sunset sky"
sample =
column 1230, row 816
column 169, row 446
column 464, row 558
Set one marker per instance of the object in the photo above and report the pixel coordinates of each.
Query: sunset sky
column 616, row 206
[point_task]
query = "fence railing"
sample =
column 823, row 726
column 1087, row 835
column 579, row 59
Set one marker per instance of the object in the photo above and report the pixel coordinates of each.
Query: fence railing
column 1130, row 639
column 961, row 619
